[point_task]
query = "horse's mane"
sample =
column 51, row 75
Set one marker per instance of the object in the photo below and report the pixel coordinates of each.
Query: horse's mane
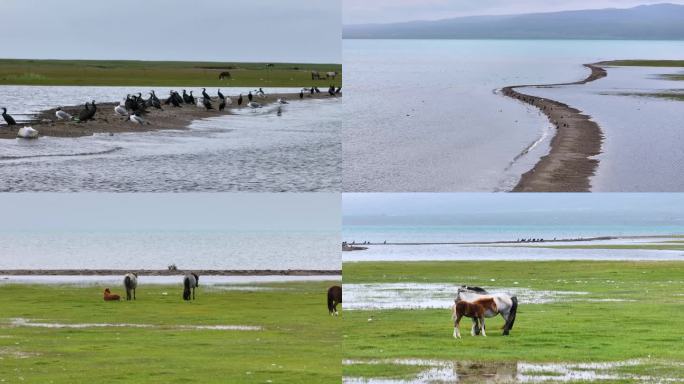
column 473, row 289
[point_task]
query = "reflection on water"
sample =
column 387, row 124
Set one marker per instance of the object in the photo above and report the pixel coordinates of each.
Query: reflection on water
column 248, row 151
column 443, row 371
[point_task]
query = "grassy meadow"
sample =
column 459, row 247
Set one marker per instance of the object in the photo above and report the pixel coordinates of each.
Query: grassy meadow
column 299, row 342
column 162, row 73
column 631, row 310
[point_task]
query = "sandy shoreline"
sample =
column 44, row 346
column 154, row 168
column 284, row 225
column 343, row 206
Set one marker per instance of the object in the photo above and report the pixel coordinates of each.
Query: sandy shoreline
column 106, row 121
column 570, row 163
column 165, row 272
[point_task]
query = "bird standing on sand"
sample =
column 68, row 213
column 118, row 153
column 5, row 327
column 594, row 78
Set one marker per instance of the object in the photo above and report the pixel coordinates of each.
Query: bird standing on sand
column 61, row 115
column 254, row 105
column 240, row 99
column 220, row 95
column 222, row 105
column 250, row 96
column 207, row 103
column 301, row 94
column 8, row 119
column 186, row 98
column 205, row 94
column 137, row 119
column 121, row 111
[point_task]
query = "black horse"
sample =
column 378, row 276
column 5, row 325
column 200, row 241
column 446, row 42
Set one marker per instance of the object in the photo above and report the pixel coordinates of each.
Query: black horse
column 190, row 282
column 334, row 298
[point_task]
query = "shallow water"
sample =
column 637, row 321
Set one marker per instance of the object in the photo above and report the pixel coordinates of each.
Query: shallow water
column 643, row 135
column 21, row 322
column 444, row 371
column 424, row 115
column 227, row 283
column 379, row 296
column 159, row 249
column 248, row 151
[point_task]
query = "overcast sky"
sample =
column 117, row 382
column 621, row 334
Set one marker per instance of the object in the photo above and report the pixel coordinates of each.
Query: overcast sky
column 387, row 11
column 192, row 30
column 500, row 208
column 191, row 212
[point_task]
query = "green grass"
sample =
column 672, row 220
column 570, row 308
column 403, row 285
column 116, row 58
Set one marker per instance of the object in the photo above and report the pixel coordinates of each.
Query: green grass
column 645, row 63
column 662, row 95
column 299, row 343
column 162, row 73
column 571, row 331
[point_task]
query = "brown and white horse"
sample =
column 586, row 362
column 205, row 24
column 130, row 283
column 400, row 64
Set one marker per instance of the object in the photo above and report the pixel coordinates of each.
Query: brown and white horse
column 475, row 310
column 504, row 305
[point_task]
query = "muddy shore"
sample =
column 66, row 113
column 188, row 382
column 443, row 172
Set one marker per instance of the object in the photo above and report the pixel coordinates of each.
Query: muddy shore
column 165, row 272
column 106, row 121
column 570, row 162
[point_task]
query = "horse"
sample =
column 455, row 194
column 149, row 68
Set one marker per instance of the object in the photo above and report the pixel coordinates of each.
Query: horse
column 315, row 75
column 505, row 305
column 130, row 283
column 108, row 296
column 224, row 75
column 331, row 75
column 475, row 310
column 190, row 282
column 334, row 298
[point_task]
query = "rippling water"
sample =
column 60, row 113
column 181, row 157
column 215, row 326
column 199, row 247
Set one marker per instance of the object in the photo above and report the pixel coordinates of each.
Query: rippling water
column 424, row 115
column 248, row 151
column 159, row 249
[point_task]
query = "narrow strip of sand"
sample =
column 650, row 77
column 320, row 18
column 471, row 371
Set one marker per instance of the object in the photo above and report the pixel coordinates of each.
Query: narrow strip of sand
column 166, row 272
column 106, row 121
column 570, row 163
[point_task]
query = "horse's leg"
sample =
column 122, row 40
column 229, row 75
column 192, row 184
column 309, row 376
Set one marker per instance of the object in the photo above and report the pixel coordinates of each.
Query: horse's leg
column 482, row 326
column 474, row 330
column 457, row 328
column 133, row 293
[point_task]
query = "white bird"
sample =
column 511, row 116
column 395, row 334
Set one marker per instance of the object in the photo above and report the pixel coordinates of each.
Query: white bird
column 229, row 101
column 137, row 119
column 121, row 111
column 282, row 101
column 27, row 133
column 253, row 105
column 61, row 115
column 199, row 103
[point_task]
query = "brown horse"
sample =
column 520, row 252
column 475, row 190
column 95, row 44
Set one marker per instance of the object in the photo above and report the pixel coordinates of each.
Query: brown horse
column 334, row 298
column 108, row 296
column 475, row 310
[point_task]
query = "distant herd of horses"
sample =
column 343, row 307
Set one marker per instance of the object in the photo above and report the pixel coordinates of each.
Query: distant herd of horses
column 191, row 281
column 315, row 75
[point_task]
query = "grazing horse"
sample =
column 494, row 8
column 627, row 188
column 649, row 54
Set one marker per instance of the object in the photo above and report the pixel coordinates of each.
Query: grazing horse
column 224, row 75
column 130, row 283
column 108, row 296
column 331, row 75
column 475, row 310
column 190, row 282
column 505, row 305
column 315, row 75
column 334, row 298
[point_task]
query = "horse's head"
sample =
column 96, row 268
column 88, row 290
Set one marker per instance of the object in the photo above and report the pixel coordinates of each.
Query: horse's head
column 107, row 291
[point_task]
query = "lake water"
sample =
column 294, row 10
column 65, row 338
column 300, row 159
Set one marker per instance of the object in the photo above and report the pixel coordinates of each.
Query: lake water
column 425, row 115
column 158, row 249
column 248, row 151
column 532, row 251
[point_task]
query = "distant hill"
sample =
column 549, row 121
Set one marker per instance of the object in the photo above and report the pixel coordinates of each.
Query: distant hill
column 646, row 22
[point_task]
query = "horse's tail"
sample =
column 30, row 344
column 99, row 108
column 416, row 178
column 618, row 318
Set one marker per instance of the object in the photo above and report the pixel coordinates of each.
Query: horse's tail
column 186, row 288
column 127, row 282
column 511, row 314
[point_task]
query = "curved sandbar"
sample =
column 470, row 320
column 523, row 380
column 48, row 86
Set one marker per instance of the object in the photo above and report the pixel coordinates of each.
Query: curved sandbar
column 166, row 272
column 569, row 164
column 106, row 121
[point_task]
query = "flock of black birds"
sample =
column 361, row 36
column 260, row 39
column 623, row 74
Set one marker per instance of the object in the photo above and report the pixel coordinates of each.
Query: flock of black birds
column 134, row 107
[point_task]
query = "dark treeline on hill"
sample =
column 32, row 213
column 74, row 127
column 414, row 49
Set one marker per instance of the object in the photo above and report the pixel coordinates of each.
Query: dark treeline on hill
column 646, row 22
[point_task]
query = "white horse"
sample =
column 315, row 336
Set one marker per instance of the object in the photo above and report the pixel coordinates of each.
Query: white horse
column 505, row 305
column 131, row 283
